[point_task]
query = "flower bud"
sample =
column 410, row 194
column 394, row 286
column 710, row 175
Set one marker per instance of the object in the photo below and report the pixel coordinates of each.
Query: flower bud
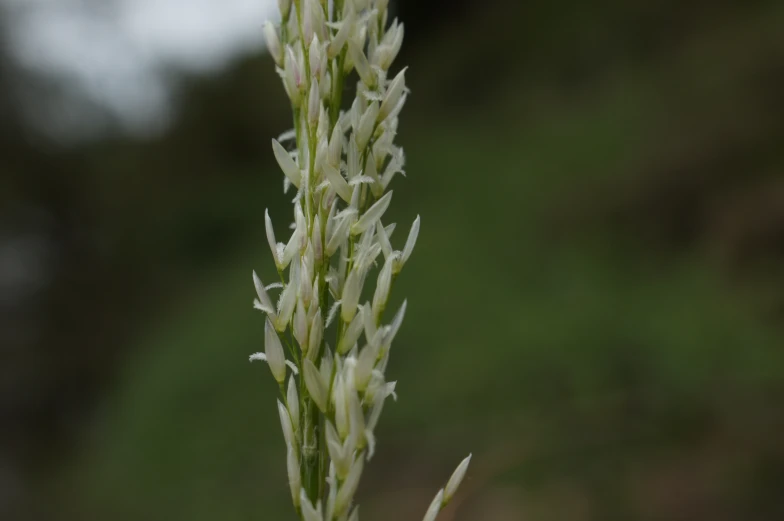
column 435, row 507
column 273, row 43
column 383, row 240
column 378, row 391
column 364, row 368
column 361, row 63
column 317, row 241
column 393, row 95
column 286, row 163
column 314, row 104
column 284, row 6
column 288, row 299
column 395, row 165
column 292, row 400
column 326, row 88
column 307, row 21
column 325, row 369
column 301, row 326
column 335, row 147
column 336, row 45
column 295, row 479
column 337, row 452
column 315, row 54
column 315, row 385
column 356, row 416
column 301, row 227
column 316, row 334
column 337, row 182
column 292, row 75
column 395, row 112
column 367, row 124
column 372, row 172
column 273, row 349
column 373, row 214
column 456, row 479
column 390, row 47
column 306, row 277
column 285, row 422
column 351, row 334
column 349, row 487
column 271, row 238
column 322, row 150
column 350, row 299
column 340, row 234
column 292, row 248
column 352, row 158
column 341, row 406
column 409, row 248
column 309, row 513
column 383, row 287
column 394, row 327
column 264, row 302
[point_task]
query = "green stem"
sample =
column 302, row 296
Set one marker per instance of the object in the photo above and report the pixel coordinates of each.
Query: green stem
column 312, row 480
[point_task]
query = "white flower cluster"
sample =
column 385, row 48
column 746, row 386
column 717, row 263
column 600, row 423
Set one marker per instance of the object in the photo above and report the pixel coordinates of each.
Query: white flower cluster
column 341, row 163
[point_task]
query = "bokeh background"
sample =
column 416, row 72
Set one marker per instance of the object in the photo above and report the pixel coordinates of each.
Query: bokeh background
column 595, row 302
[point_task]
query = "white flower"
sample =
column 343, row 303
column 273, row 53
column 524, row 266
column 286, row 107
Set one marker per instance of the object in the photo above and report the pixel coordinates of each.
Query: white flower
column 314, row 103
column 435, row 507
column 273, row 43
column 292, row 75
column 370, row 217
column 394, row 327
column 351, row 334
column 292, row 400
column 367, row 124
column 337, row 182
column 456, row 479
column 276, row 359
column 338, row 452
column 301, row 326
column 392, row 97
column 285, row 422
column 288, row 299
column 413, row 235
column 341, row 406
column 338, row 235
column 318, row 59
column 315, row 385
column 337, row 43
column 335, row 147
column 350, row 298
column 308, row 512
column 292, row 467
column 363, row 369
column 264, row 303
column 316, row 241
column 383, row 287
column 287, row 164
column 316, row 333
column 361, row 63
column 349, row 487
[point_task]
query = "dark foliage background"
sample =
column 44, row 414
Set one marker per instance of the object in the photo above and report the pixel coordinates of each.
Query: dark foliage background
column 596, row 301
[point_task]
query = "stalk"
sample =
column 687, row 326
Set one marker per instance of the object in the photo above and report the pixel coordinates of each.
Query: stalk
column 341, row 165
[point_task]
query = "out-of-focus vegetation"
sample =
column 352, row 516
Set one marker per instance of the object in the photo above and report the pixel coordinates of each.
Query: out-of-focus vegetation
column 594, row 304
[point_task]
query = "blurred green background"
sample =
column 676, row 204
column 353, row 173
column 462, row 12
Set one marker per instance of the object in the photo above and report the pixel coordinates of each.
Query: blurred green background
column 595, row 302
